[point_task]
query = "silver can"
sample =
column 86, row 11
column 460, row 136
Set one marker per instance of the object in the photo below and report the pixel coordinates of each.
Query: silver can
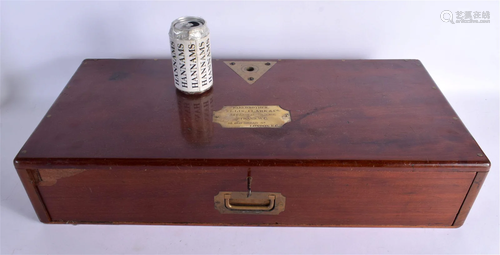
column 191, row 57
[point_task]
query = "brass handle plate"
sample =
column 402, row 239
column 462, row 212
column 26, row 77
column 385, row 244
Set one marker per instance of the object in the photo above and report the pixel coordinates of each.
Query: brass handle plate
column 270, row 203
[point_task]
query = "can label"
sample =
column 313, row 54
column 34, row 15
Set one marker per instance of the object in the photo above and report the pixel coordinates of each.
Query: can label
column 192, row 64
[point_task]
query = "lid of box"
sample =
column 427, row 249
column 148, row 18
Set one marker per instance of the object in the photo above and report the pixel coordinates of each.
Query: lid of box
column 343, row 113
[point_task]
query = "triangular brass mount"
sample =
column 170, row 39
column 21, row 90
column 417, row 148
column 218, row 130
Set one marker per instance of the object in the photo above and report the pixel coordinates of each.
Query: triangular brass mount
column 250, row 71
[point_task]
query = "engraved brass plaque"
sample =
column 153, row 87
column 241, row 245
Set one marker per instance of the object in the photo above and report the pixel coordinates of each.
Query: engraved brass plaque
column 252, row 116
column 270, row 203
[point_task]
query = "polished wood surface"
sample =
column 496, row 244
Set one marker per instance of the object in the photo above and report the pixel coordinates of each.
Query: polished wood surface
column 348, row 113
column 314, row 196
column 30, row 179
column 371, row 143
column 471, row 197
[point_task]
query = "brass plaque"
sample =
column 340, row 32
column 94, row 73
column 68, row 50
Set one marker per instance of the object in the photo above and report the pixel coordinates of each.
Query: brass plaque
column 252, row 116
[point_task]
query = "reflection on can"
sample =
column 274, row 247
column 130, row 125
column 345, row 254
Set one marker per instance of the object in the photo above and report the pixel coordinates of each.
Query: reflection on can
column 195, row 116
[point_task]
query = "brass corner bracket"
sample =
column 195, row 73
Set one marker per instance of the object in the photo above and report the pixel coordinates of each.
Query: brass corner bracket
column 250, row 71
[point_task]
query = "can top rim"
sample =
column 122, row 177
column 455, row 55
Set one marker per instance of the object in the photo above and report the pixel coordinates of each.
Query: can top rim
column 189, row 27
column 188, row 23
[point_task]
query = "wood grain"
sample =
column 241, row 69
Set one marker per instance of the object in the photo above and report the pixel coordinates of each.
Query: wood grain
column 371, row 143
column 354, row 112
column 29, row 179
column 469, row 200
column 319, row 196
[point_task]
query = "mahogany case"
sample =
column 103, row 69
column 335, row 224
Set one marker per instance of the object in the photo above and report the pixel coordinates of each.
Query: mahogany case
column 369, row 143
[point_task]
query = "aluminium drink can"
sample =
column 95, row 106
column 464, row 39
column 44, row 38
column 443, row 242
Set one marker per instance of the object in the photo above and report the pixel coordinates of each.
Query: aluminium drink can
column 191, row 57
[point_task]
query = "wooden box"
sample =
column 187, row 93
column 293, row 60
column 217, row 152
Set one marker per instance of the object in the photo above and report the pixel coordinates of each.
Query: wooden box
column 278, row 143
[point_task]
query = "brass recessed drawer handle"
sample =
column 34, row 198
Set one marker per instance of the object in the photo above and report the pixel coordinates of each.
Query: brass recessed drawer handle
column 249, row 203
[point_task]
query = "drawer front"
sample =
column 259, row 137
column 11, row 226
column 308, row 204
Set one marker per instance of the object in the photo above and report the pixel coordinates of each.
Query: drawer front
column 314, row 196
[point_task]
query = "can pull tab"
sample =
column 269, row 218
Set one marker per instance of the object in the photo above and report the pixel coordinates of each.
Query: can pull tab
column 194, row 23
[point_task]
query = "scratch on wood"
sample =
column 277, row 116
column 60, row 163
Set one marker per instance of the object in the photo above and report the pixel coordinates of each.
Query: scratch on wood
column 317, row 109
column 49, row 177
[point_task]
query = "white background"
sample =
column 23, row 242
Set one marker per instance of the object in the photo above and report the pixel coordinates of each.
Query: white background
column 42, row 44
